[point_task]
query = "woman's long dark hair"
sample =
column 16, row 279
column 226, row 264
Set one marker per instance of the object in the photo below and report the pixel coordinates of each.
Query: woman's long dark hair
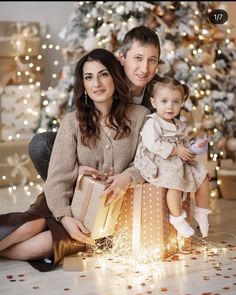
column 87, row 114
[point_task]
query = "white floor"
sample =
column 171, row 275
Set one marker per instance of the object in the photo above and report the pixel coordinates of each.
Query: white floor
column 204, row 270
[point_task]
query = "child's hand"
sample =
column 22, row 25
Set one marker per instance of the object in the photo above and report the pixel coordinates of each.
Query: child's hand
column 185, row 153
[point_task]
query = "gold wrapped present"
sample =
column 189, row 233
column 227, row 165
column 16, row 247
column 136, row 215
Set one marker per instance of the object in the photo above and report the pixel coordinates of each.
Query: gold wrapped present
column 15, row 164
column 88, row 206
column 17, row 37
column 227, row 183
column 16, row 71
column 20, row 111
column 144, row 222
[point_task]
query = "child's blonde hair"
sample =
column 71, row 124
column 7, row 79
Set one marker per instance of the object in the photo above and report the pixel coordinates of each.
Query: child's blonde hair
column 169, row 82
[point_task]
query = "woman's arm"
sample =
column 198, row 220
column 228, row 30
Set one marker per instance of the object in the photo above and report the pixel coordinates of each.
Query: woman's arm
column 63, row 168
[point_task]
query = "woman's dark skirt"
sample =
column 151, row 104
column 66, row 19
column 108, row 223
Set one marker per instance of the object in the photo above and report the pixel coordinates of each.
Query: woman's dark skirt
column 63, row 244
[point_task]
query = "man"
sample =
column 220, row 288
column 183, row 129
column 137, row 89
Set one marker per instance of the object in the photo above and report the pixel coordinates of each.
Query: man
column 139, row 55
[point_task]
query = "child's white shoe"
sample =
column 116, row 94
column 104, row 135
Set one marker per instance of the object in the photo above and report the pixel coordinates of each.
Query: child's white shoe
column 181, row 225
column 201, row 216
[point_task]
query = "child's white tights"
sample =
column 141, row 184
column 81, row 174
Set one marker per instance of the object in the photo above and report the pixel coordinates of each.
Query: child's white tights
column 201, row 216
column 181, row 225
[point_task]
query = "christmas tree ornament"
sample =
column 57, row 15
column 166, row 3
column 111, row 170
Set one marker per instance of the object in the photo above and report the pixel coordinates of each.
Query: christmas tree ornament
column 221, row 143
column 53, row 109
column 90, row 42
column 231, row 144
column 208, row 123
column 169, row 18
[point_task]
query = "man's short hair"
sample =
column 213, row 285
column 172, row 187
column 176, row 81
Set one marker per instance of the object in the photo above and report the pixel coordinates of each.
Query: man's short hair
column 141, row 34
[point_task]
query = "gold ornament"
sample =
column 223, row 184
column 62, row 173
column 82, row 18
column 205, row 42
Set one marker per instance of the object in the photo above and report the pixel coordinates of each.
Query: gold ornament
column 208, row 123
column 231, row 144
column 169, row 18
column 151, row 21
column 221, row 143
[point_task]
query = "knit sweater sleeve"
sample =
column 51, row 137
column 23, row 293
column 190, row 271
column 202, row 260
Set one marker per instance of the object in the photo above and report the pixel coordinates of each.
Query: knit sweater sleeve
column 132, row 170
column 63, row 168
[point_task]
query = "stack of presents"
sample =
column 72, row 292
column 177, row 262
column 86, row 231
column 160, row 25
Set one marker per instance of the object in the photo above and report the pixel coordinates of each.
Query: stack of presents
column 20, row 99
column 138, row 222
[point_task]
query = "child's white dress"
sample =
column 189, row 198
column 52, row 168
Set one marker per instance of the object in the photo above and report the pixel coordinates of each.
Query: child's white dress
column 155, row 163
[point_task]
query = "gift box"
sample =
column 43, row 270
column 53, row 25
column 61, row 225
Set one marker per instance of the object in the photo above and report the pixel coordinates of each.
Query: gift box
column 227, row 179
column 17, row 37
column 88, row 206
column 20, row 44
column 20, row 112
column 144, row 222
column 15, row 164
column 17, row 71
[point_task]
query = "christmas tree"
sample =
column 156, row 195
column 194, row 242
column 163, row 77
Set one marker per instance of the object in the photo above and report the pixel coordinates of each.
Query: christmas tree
column 195, row 50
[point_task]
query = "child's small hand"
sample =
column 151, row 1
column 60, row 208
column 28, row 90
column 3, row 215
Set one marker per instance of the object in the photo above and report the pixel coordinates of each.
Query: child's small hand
column 185, row 153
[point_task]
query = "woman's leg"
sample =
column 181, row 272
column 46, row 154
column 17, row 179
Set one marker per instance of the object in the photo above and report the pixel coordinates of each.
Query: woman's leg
column 177, row 215
column 39, row 246
column 24, row 232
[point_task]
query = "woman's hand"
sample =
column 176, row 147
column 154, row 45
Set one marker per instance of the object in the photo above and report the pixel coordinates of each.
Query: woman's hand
column 86, row 170
column 76, row 230
column 117, row 186
column 184, row 153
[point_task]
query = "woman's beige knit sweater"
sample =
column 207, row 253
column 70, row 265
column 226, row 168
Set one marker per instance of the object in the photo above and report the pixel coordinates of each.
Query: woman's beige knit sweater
column 69, row 153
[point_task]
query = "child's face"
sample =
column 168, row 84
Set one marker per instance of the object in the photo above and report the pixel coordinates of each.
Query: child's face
column 167, row 101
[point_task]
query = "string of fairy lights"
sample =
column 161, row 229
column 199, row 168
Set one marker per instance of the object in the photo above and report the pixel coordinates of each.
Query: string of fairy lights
column 200, row 89
column 28, row 79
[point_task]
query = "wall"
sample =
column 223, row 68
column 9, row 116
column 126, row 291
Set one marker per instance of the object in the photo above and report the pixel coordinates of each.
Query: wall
column 54, row 15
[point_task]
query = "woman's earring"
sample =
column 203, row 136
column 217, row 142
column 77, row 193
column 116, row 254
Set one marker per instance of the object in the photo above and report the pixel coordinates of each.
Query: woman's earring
column 85, row 97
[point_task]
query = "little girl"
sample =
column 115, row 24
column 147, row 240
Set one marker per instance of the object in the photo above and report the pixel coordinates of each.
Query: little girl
column 165, row 159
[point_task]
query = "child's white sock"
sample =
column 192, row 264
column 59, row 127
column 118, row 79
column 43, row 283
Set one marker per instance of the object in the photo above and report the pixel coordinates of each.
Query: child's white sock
column 201, row 216
column 181, row 225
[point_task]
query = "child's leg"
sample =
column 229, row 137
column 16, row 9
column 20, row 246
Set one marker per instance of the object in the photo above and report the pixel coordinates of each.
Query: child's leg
column 174, row 202
column 177, row 215
column 202, row 195
column 202, row 207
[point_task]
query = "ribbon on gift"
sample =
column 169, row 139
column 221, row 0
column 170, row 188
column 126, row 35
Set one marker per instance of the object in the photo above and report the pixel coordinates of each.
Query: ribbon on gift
column 8, row 77
column 137, row 218
column 88, row 205
column 19, row 39
column 19, row 164
column 88, row 194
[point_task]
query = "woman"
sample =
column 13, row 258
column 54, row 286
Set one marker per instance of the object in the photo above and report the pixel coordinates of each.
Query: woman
column 100, row 136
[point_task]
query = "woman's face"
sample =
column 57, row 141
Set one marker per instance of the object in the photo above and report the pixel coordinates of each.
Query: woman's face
column 98, row 83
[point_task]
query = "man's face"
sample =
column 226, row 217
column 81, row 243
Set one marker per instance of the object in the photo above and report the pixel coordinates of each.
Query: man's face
column 140, row 65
